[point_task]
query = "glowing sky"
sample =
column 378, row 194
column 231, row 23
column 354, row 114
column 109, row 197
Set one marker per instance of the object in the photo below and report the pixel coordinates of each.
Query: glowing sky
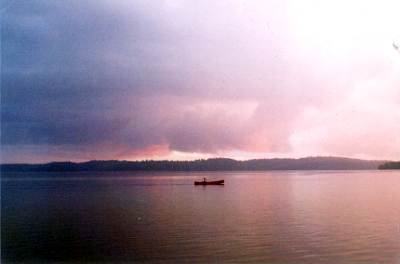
column 144, row 79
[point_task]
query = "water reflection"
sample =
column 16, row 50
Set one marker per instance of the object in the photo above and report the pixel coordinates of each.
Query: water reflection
column 283, row 217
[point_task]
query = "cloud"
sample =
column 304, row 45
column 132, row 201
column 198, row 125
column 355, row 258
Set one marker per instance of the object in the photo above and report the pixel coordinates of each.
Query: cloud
column 106, row 79
column 365, row 124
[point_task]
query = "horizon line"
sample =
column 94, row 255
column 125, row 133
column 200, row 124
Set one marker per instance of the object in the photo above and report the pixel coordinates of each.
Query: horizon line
column 214, row 158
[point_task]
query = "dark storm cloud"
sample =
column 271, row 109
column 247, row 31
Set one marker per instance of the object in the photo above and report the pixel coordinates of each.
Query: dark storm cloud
column 59, row 81
column 132, row 75
column 114, row 79
column 70, row 69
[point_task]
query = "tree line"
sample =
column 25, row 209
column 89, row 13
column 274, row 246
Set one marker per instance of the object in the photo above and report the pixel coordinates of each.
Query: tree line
column 215, row 164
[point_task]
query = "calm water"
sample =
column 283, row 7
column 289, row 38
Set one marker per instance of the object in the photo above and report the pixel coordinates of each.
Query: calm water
column 268, row 217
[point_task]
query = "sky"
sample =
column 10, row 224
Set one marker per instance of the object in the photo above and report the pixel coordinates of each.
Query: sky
column 181, row 79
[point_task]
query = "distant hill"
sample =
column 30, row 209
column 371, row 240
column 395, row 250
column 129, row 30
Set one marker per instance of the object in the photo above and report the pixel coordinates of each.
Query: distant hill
column 216, row 164
column 390, row 166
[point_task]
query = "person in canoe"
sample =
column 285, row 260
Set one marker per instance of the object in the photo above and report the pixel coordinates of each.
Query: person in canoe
column 205, row 182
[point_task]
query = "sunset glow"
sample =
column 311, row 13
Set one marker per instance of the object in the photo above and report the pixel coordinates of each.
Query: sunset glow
column 198, row 79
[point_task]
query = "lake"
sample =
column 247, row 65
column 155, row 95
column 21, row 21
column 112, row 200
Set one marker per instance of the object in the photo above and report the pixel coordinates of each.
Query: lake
column 257, row 217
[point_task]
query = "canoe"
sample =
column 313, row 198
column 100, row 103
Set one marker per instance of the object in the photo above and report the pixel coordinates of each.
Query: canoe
column 220, row 182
